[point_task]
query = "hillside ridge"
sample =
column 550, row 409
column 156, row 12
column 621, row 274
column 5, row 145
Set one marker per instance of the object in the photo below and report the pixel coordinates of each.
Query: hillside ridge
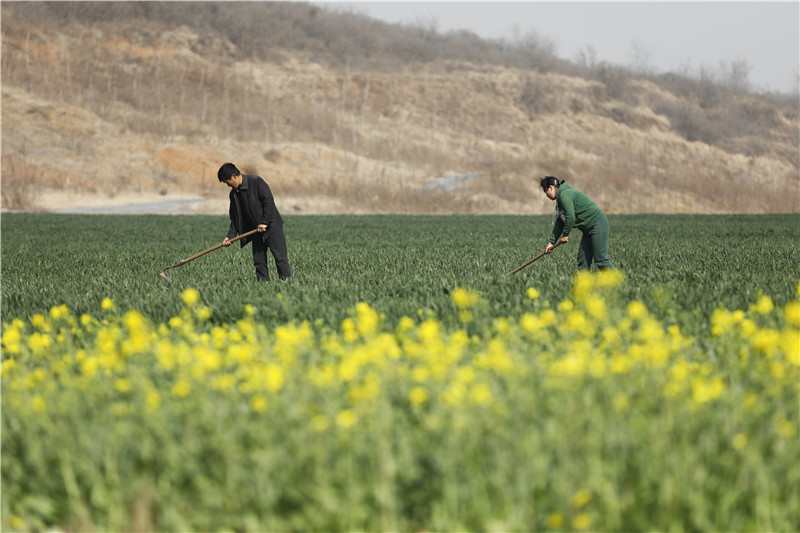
column 108, row 106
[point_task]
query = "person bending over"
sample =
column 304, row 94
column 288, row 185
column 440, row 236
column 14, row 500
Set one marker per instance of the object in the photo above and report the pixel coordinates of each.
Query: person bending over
column 576, row 210
column 253, row 207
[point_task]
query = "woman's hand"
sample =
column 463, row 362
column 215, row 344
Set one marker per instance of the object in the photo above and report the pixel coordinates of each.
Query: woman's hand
column 262, row 228
column 226, row 242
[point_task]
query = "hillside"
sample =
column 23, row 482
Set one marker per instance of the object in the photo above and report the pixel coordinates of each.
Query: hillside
column 342, row 114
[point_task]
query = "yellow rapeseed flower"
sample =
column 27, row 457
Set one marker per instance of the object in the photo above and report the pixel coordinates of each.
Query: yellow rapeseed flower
column 346, row 419
column 258, row 404
column 153, row 400
column 555, row 521
column 610, row 278
column 190, row 296
column 181, row 389
column 565, row 306
column 581, row 522
column 581, row 498
column 59, row 311
column 740, row 441
column 418, row 395
column 107, row 304
column 38, row 342
column 39, row 404
column 349, row 331
column 583, row 284
column 637, row 310
column 11, row 340
column 763, row 306
column 596, row 306
column 706, row 390
column 464, row 298
column 791, row 313
column 481, row 394
column 786, row 428
column 532, row 293
column 367, row 319
column 123, row 385
column 404, row 324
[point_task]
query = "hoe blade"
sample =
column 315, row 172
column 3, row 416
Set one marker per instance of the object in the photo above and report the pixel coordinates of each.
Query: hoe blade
column 165, row 277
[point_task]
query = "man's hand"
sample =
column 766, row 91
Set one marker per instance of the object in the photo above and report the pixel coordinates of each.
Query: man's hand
column 565, row 239
column 549, row 248
column 262, row 228
column 226, row 242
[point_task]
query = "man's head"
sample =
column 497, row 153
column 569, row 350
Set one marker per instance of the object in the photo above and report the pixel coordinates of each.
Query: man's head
column 230, row 175
column 550, row 186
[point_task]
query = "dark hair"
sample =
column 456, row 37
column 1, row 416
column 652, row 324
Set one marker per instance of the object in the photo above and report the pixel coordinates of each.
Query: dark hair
column 227, row 171
column 547, row 181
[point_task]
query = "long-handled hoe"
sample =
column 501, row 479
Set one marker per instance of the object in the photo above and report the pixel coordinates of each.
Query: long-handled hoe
column 204, row 252
column 532, row 260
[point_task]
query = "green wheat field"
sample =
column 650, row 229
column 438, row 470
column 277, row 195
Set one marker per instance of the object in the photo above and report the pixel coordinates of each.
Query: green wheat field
column 401, row 380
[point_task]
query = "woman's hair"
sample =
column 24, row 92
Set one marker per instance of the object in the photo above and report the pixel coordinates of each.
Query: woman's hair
column 547, row 181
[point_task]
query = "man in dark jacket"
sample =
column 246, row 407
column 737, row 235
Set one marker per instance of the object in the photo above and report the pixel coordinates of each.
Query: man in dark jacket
column 252, row 207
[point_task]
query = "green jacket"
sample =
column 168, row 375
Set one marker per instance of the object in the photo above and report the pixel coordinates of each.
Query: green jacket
column 573, row 210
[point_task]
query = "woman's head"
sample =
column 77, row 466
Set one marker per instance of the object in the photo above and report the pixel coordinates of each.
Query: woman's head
column 550, row 185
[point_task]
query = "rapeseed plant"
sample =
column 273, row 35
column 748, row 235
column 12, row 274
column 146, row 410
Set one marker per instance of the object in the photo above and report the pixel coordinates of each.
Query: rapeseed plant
column 420, row 404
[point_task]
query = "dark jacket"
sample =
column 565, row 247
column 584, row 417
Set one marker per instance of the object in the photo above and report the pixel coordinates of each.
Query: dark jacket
column 252, row 204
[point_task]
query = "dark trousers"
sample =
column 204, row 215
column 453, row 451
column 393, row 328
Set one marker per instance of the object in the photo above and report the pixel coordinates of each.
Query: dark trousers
column 275, row 240
column 594, row 245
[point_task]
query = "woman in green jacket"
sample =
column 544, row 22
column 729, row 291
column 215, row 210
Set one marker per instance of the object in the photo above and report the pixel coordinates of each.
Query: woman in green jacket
column 576, row 210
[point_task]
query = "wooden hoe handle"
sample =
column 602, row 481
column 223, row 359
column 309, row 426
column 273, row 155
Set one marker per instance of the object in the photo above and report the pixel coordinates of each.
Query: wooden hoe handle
column 532, row 260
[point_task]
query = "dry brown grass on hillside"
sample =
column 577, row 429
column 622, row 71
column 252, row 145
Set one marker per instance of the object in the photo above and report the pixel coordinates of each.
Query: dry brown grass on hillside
column 106, row 107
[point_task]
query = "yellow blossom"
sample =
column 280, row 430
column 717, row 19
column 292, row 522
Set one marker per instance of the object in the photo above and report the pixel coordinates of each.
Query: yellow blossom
column 464, row 298
column 190, row 296
column 565, row 306
column 637, row 310
column 481, row 394
column 596, row 307
column 59, row 311
column 610, row 278
column 123, row 385
column 107, row 304
column 740, row 441
column 555, row 521
column 367, row 319
column 346, row 419
column 39, row 404
column 581, row 498
column 581, row 522
column 763, row 306
column 418, row 395
column 11, row 340
column 38, row 341
column 791, row 313
column 181, row 389
column 707, row 390
column 786, row 428
column 532, row 293
column 258, row 404
column 582, row 284
column 153, row 400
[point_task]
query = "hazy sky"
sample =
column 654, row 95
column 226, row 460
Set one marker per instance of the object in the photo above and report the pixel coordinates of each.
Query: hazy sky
column 664, row 36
